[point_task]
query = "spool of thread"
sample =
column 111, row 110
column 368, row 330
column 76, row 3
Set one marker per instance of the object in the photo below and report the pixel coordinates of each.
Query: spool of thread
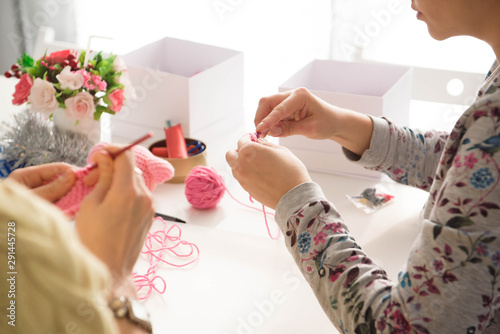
column 176, row 145
column 204, row 187
column 160, row 152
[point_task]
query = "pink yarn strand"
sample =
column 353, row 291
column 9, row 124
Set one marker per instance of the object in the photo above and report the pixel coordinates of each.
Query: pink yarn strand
column 157, row 245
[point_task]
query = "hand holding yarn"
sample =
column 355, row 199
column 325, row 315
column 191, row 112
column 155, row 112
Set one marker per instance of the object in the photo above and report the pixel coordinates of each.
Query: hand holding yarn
column 154, row 170
column 38, row 179
column 116, row 215
column 265, row 170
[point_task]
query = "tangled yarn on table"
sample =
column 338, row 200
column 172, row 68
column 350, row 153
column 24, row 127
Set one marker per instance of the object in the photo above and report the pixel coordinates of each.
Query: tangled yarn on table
column 164, row 246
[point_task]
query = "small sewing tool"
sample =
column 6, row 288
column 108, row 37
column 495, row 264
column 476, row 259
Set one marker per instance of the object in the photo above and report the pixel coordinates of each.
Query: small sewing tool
column 195, row 148
column 169, row 218
column 128, row 147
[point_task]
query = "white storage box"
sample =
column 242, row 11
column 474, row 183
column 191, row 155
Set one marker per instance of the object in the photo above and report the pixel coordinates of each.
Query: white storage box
column 375, row 89
column 197, row 85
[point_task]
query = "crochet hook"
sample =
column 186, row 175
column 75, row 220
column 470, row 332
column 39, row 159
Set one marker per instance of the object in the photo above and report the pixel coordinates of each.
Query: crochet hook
column 169, row 218
column 128, row 147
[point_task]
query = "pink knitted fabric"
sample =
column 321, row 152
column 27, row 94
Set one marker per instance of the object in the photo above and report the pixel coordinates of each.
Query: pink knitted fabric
column 154, row 170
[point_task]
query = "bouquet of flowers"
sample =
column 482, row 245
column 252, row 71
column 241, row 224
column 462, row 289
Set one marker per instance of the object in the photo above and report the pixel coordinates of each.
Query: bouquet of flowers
column 64, row 82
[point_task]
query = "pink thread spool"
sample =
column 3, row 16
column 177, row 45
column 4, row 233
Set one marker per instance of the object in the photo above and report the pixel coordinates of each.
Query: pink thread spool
column 204, row 187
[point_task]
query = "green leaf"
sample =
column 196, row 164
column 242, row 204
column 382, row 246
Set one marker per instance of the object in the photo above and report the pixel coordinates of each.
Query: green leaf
column 98, row 58
column 104, row 67
column 464, row 249
column 69, row 91
column 115, row 86
column 356, row 317
column 362, row 329
column 475, row 260
column 437, row 230
column 360, row 305
column 25, row 62
column 488, row 240
column 369, row 314
column 111, row 59
column 459, row 222
column 333, row 303
column 81, row 59
column 98, row 111
column 491, row 270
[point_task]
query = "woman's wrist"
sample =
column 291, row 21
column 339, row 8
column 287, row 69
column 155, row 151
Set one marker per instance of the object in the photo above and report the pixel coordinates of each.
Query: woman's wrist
column 131, row 316
column 354, row 131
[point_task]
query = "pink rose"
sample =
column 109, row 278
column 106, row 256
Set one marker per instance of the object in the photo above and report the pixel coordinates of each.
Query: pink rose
column 101, row 84
column 116, row 99
column 60, row 56
column 71, row 80
column 23, row 89
column 43, row 97
column 80, row 106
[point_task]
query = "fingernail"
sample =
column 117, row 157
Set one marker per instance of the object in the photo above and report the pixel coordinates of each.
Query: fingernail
column 257, row 128
column 276, row 131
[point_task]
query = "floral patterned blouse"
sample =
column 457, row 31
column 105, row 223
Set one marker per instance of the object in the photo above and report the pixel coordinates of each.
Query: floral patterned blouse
column 451, row 281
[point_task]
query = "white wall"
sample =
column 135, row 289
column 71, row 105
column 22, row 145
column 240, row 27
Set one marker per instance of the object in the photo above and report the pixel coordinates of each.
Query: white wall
column 20, row 20
column 277, row 37
column 388, row 31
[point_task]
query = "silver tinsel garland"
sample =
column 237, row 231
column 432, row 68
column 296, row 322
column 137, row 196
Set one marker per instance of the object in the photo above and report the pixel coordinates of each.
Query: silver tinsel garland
column 33, row 140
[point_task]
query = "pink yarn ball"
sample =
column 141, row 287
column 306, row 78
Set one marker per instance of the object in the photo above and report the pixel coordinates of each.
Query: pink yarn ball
column 204, row 187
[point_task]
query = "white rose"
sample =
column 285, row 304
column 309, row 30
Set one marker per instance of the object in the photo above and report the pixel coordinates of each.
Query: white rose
column 43, row 97
column 71, row 80
column 80, row 107
column 129, row 91
column 119, row 65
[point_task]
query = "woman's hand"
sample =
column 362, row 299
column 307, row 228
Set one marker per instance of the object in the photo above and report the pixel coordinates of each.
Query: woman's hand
column 295, row 112
column 49, row 181
column 265, row 170
column 299, row 112
column 115, row 217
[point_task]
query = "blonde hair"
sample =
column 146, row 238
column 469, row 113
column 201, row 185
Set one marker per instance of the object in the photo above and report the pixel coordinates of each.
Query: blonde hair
column 59, row 286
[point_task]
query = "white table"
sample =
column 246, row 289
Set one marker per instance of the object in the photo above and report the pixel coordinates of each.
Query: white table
column 244, row 282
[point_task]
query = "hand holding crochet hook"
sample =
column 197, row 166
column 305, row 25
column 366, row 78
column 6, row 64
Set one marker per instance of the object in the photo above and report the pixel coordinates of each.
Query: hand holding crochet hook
column 115, row 216
column 120, row 211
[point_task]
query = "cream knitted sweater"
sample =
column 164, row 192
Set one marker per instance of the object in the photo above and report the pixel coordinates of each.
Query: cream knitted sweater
column 50, row 283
